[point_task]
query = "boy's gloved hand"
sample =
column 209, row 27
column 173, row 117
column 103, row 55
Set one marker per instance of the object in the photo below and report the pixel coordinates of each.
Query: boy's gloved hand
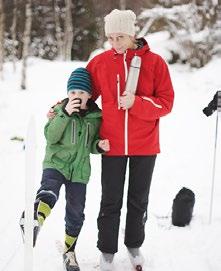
column 104, row 145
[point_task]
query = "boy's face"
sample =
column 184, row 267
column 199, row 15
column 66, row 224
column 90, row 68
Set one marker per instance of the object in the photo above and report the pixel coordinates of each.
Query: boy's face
column 121, row 42
column 78, row 93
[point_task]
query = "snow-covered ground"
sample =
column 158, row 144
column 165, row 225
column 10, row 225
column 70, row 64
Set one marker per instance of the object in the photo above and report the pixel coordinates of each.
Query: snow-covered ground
column 187, row 144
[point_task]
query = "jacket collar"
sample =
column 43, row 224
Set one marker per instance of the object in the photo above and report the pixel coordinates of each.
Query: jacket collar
column 143, row 47
column 92, row 108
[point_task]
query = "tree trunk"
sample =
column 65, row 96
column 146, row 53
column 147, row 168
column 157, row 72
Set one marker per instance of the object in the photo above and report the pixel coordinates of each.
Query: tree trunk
column 58, row 31
column 2, row 22
column 123, row 4
column 26, row 41
column 68, row 35
column 13, row 33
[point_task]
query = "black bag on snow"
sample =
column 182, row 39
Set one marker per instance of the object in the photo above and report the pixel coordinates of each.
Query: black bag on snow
column 182, row 208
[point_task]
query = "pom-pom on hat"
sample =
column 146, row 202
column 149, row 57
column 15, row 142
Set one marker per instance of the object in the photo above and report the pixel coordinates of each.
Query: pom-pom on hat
column 79, row 80
column 120, row 21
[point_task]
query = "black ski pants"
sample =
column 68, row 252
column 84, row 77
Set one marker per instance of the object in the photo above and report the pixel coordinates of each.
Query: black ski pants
column 112, row 180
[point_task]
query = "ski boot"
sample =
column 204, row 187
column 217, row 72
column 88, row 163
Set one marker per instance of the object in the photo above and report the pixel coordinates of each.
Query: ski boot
column 36, row 228
column 106, row 262
column 136, row 258
column 70, row 261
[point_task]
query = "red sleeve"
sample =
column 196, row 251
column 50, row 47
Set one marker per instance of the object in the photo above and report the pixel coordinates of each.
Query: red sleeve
column 92, row 68
column 154, row 107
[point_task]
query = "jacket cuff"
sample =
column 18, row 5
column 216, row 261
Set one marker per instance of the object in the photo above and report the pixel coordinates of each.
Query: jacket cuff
column 62, row 115
column 100, row 150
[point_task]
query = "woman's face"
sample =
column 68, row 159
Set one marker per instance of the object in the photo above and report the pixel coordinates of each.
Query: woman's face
column 121, row 42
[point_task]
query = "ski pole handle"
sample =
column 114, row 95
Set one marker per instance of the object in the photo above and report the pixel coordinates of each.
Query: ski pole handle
column 219, row 100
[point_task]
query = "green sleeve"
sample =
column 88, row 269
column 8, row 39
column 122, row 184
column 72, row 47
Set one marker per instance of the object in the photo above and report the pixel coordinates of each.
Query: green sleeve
column 96, row 139
column 94, row 148
column 55, row 127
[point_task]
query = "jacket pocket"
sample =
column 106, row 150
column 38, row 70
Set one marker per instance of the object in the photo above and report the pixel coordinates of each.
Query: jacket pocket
column 61, row 158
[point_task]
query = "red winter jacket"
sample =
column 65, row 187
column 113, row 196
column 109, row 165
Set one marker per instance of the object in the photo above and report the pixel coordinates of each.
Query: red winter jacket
column 135, row 133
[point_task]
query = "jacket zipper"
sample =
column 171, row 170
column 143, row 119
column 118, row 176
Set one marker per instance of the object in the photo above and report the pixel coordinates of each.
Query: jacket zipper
column 118, row 91
column 87, row 134
column 73, row 132
column 126, row 111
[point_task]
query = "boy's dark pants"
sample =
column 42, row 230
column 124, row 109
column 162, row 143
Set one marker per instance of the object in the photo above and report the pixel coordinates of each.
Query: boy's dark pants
column 51, row 183
column 112, row 179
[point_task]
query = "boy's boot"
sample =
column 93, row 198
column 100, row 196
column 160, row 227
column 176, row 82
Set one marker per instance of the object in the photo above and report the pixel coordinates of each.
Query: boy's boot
column 36, row 226
column 42, row 210
column 69, row 256
column 136, row 258
column 106, row 262
column 70, row 261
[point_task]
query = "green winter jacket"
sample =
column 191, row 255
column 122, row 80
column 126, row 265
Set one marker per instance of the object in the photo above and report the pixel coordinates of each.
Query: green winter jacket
column 70, row 140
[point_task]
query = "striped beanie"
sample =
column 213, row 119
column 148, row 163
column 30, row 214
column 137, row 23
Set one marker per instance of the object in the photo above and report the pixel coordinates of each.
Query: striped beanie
column 79, row 79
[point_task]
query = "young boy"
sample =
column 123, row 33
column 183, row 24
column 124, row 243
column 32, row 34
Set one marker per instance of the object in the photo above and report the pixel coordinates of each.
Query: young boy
column 71, row 136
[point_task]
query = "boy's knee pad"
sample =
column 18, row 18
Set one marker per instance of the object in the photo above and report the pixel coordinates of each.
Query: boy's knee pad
column 48, row 197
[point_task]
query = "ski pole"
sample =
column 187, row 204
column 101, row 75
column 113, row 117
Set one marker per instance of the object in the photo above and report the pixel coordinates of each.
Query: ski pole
column 30, row 156
column 218, row 105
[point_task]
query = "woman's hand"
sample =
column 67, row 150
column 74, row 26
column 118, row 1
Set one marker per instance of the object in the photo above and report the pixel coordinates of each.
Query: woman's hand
column 51, row 114
column 127, row 100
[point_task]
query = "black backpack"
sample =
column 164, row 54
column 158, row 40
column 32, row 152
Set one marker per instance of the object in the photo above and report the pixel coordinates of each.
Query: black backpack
column 182, row 208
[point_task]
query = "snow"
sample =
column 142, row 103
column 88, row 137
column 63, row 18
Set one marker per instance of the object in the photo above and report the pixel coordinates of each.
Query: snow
column 186, row 159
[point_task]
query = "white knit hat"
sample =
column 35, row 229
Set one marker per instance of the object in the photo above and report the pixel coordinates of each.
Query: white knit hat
column 120, row 21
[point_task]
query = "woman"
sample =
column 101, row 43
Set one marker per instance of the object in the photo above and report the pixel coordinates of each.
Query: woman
column 131, row 123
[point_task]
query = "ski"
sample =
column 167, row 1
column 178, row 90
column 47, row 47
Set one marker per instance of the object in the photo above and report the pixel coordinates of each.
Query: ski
column 60, row 247
column 30, row 155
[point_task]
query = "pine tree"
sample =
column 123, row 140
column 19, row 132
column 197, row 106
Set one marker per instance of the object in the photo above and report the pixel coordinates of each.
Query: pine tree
column 13, row 34
column 190, row 27
column 58, row 30
column 85, row 29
